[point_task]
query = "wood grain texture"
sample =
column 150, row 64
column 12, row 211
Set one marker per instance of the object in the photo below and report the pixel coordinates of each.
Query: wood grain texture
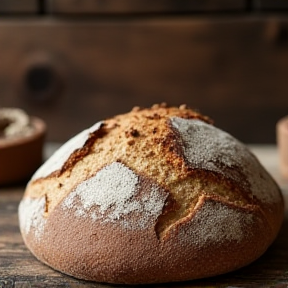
column 18, row 6
column 233, row 69
column 18, row 268
column 140, row 6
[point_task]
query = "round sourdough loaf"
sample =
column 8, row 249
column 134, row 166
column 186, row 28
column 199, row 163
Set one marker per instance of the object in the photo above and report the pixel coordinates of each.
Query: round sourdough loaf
column 154, row 195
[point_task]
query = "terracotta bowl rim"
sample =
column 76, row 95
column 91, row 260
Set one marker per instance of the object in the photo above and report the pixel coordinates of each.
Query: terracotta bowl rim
column 39, row 128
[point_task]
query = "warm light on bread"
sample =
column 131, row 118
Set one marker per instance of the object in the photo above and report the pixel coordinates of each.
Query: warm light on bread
column 154, row 195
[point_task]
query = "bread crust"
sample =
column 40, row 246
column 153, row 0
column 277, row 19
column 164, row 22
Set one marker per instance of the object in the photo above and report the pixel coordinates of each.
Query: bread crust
column 154, row 195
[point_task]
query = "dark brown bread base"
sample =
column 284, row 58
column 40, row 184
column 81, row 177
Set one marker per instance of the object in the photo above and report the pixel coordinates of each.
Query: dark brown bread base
column 106, row 253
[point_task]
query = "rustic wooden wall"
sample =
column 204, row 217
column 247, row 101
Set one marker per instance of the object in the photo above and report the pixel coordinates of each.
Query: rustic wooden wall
column 18, row 7
column 141, row 6
column 73, row 69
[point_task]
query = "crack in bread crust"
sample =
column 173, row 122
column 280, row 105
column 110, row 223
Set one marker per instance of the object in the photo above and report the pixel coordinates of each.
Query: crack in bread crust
column 134, row 139
column 147, row 144
column 154, row 186
column 184, row 195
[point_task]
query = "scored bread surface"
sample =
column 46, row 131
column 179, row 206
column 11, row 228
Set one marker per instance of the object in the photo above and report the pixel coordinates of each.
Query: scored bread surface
column 154, row 195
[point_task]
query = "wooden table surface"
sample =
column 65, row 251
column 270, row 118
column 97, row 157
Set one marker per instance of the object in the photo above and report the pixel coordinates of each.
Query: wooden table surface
column 18, row 268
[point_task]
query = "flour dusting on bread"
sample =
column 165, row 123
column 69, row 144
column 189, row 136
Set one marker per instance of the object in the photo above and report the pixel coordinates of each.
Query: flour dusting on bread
column 216, row 222
column 113, row 192
column 207, row 147
column 31, row 216
column 153, row 195
column 58, row 159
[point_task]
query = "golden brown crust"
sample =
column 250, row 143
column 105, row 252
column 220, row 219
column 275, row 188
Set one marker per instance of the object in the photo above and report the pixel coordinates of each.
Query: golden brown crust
column 161, row 182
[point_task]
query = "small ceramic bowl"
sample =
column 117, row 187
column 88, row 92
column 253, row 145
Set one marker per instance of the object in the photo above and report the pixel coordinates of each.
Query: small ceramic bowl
column 21, row 156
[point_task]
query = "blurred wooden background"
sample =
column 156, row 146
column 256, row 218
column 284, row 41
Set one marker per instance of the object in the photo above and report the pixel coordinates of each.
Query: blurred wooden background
column 74, row 62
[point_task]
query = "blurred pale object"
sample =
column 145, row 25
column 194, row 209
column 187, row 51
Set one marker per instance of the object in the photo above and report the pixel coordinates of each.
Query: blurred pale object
column 282, row 141
column 14, row 123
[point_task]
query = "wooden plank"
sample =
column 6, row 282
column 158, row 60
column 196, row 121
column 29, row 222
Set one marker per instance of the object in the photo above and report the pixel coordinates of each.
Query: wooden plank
column 18, row 6
column 141, row 6
column 19, row 268
column 230, row 69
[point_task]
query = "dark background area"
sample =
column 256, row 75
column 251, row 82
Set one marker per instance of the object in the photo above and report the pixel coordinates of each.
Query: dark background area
column 73, row 63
